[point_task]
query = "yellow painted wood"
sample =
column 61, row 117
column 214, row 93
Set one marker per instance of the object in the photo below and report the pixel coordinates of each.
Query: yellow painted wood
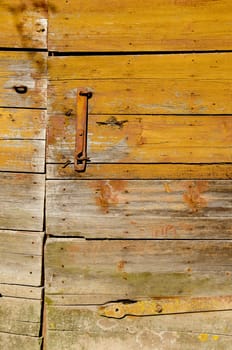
column 27, row 69
column 23, row 24
column 22, row 124
column 203, row 86
column 132, row 25
column 144, row 139
column 22, row 201
column 136, row 171
column 139, row 208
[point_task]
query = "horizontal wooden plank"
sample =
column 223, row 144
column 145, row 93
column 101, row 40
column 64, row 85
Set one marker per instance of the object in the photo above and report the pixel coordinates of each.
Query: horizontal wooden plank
column 139, row 26
column 22, row 124
column 23, row 79
column 144, row 139
column 136, row 171
column 21, row 291
column 96, row 272
column 20, row 316
column 21, row 254
column 132, row 89
column 22, row 155
column 139, row 208
column 22, row 201
column 24, row 24
column 19, row 342
column 81, row 327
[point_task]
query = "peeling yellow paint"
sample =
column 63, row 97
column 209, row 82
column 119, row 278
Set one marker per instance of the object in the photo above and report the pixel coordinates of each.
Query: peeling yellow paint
column 167, row 188
column 203, row 337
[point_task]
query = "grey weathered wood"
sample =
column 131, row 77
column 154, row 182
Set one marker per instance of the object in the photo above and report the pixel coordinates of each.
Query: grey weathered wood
column 21, row 201
column 14, row 342
column 139, row 209
column 21, row 258
column 20, row 316
column 21, row 291
column 23, row 69
column 94, row 272
column 76, row 327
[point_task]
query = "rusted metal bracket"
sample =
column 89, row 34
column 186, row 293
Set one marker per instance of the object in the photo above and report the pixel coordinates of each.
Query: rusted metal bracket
column 171, row 305
column 80, row 156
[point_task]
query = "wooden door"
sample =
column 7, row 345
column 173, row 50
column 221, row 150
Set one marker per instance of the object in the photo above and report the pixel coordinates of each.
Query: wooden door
column 149, row 220
column 151, row 215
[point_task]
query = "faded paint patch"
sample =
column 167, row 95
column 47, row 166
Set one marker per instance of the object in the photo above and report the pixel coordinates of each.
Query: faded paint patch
column 193, row 195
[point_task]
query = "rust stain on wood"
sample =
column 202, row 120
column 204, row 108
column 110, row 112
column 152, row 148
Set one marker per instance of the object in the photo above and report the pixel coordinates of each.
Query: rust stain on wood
column 107, row 193
column 193, row 195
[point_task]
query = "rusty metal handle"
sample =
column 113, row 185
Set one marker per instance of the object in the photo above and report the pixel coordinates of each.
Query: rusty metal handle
column 80, row 155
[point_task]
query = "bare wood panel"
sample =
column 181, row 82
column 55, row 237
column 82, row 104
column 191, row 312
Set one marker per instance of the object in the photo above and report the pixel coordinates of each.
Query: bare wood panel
column 24, row 72
column 139, row 208
column 22, row 201
column 95, row 272
column 144, row 139
column 21, row 254
column 131, row 89
column 22, row 124
column 21, row 291
column 22, row 155
column 20, row 316
column 136, row 171
column 19, row 342
column 139, row 26
column 24, row 24
column 81, row 327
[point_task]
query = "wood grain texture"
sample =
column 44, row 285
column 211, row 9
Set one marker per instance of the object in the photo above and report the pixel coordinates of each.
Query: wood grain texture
column 21, row 291
column 136, row 171
column 22, row 201
column 24, row 24
column 74, row 327
column 21, row 254
column 139, row 208
column 22, row 124
column 23, row 69
column 15, row 342
column 144, row 139
column 20, row 316
column 131, row 89
column 139, row 26
column 96, row 272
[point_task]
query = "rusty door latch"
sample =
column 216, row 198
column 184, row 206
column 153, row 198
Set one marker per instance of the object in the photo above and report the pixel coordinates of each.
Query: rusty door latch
column 171, row 305
column 80, row 155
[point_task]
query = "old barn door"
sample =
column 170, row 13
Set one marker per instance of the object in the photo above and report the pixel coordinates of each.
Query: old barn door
column 148, row 223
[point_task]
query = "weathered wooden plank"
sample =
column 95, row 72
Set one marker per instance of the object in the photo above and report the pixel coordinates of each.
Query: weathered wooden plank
column 136, row 171
column 21, row 291
column 22, row 201
column 21, row 254
column 20, row 316
column 95, row 272
column 22, row 155
column 81, row 327
column 22, row 124
column 15, row 342
column 139, row 26
column 24, row 24
column 144, row 139
column 24, row 72
column 139, row 208
column 131, row 89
